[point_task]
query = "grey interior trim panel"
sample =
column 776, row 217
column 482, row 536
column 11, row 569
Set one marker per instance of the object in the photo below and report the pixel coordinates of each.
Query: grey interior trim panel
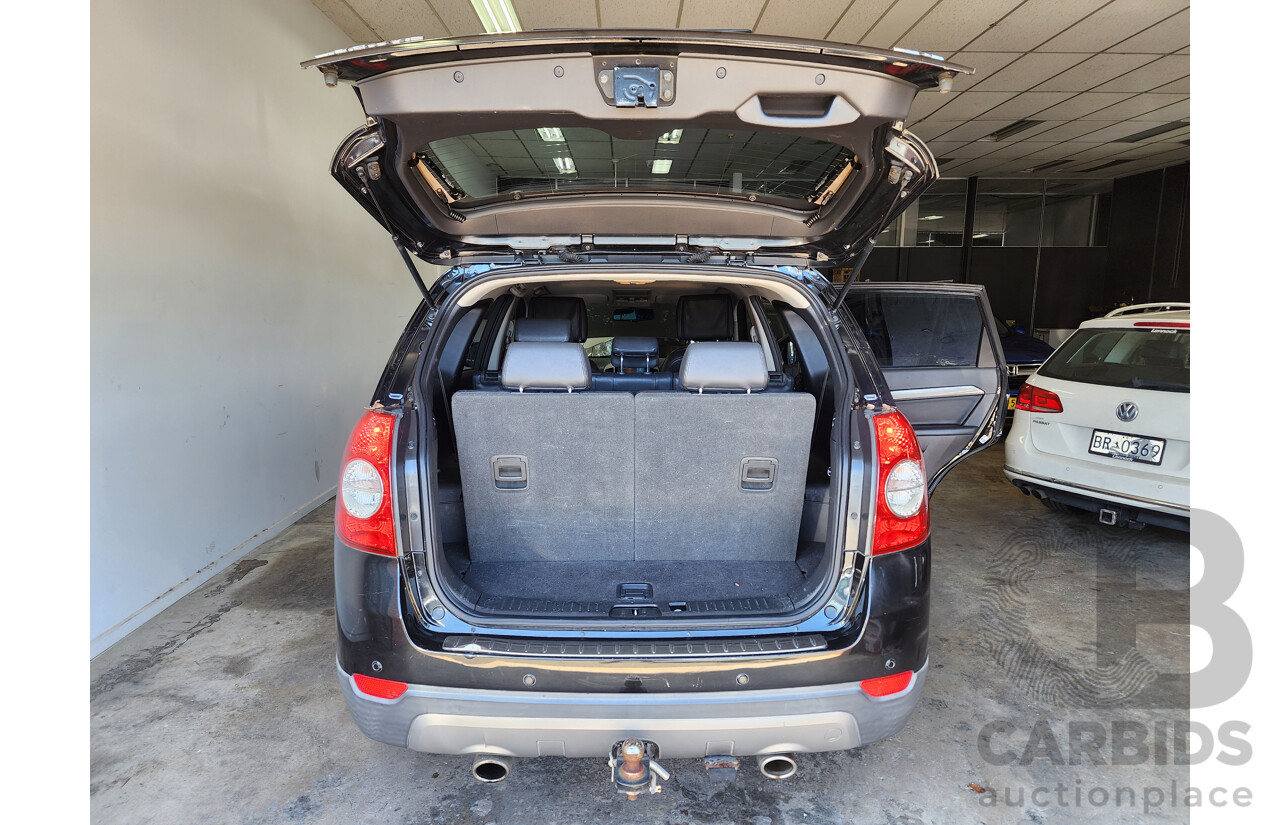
column 935, row 392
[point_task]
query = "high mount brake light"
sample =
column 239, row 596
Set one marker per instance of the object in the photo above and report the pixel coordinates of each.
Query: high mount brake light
column 902, row 503
column 1034, row 399
column 363, row 516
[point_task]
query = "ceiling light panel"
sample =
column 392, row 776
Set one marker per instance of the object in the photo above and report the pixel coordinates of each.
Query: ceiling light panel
column 1034, row 22
column 1164, row 37
column 951, row 24
column 395, row 20
column 781, row 18
column 1025, row 105
column 496, row 15
column 1081, row 106
column 628, row 14
column 1152, row 75
column 896, row 22
column 1029, row 70
column 1095, row 71
column 1113, row 23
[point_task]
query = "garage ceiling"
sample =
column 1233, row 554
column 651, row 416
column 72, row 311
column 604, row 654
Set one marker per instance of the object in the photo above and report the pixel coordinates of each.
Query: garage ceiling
column 1081, row 88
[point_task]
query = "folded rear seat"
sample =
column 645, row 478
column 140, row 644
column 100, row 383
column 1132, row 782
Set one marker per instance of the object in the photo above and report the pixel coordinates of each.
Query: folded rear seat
column 720, row 465
column 548, row 471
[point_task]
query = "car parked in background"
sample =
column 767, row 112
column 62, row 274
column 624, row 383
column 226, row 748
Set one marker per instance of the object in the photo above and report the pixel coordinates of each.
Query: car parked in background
column 1023, row 355
column 715, row 542
column 1104, row 425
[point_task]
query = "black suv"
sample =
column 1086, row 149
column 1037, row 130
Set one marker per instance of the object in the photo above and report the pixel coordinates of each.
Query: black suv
column 637, row 479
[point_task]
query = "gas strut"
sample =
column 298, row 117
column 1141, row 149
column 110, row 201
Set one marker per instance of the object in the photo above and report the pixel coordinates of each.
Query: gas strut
column 395, row 239
column 866, row 251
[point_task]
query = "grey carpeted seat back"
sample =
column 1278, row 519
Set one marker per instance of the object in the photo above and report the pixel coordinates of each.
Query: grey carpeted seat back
column 547, row 476
column 720, row 475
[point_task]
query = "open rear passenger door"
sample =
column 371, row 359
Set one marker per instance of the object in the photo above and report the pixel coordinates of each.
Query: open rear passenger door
column 937, row 347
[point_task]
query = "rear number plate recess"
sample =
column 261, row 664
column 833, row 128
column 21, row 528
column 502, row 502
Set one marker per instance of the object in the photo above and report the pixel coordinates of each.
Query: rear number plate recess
column 1127, row 447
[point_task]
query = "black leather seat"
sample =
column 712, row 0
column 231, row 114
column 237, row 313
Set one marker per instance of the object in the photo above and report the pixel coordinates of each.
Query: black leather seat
column 635, row 362
column 573, row 310
column 701, row 318
column 547, row 330
column 523, row 331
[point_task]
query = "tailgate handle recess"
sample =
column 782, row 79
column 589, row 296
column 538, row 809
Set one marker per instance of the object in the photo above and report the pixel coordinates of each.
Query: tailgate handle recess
column 773, row 110
column 758, row 474
column 510, row 472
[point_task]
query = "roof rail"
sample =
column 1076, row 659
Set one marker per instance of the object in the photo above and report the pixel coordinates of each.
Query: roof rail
column 1142, row 309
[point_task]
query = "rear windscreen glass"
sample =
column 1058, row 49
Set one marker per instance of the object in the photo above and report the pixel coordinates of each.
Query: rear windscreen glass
column 706, row 161
column 1145, row 359
column 919, row 330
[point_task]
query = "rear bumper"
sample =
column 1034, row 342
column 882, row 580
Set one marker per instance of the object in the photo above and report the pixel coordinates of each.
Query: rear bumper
column 684, row 725
column 1127, row 508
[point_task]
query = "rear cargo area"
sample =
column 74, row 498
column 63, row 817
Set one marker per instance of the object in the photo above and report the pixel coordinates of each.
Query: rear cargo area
column 699, row 487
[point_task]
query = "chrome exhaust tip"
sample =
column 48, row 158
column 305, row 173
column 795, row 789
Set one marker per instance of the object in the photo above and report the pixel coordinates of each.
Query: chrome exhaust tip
column 489, row 768
column 777, row 765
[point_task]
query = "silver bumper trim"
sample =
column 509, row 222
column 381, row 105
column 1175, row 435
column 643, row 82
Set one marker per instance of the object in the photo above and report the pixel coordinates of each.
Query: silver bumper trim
column 685, row 725
column 1139, row 501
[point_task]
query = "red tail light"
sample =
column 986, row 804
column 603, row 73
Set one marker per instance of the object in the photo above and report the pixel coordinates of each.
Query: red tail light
column 1033, row 399
column 887, row 685
column 902, row 506
column 363, row 513
column 383, row 688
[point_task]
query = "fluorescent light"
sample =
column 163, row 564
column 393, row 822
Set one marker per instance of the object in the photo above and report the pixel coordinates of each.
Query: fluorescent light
column 496, row 15
column 671, row 137
column 565, row 165
column 930, row 218
column 552, row 135
column 661, row 167
column 980, row 234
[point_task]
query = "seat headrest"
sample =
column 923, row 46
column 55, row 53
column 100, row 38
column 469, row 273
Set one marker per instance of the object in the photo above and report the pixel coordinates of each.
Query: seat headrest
column 724, row 366
column 704, row 318
column 634, row 354
column 541, row 329
column 572, row 309
column 544, row 365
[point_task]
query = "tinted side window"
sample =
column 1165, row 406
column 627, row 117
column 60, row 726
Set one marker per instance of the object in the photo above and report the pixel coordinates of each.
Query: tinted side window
column 917, row 330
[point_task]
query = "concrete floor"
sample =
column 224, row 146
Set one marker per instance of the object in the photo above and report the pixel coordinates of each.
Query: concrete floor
column 225, row 708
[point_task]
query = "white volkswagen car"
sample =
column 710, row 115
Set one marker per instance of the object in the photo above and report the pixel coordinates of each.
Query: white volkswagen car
column 1105, row 424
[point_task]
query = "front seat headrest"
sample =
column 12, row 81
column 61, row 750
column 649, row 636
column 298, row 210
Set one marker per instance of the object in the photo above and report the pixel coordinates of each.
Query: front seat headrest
column 572, row 309
column 549, row 330
column 704, row 318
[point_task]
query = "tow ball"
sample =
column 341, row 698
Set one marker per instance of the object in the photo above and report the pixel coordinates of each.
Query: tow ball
column 634, row 765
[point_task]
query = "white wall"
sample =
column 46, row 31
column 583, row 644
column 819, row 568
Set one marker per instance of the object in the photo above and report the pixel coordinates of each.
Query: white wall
column 242, row 305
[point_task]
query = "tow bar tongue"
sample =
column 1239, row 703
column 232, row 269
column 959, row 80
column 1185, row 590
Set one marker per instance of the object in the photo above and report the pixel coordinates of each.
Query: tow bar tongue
column 634, row 766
